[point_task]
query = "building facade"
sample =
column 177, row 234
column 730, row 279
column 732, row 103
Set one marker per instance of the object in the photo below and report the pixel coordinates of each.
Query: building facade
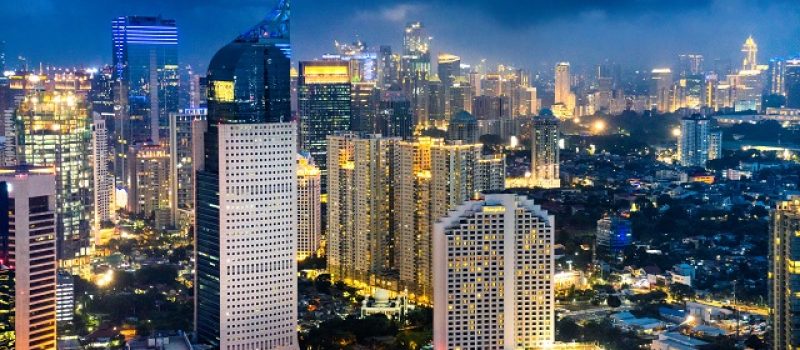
column 309, row 211
column 149, row 190
column 186, row 130
column 784, row 274
column 493, row 271
column 28, row 201
column 246, row 212
column 545, row 152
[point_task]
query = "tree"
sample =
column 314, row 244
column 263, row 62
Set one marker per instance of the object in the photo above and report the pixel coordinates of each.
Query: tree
column 680, row 291
column 613, row 301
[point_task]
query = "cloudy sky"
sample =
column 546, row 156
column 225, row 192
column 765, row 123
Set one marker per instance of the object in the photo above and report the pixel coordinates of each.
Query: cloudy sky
column 526, row 33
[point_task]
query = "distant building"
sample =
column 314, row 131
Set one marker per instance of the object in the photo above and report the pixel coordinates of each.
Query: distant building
column 186, row 129
column 493, row 268
column 661, row 90
column 103, row 180
column 463, row 127
column 8, row 298
column 323, row 96
column 697, row 141
column 791, row 83
column 784, row 274
column 614, row 234
column 309, row 213
column 28, row 246
column 564, row 106
column 149, row 194
column 545, row 152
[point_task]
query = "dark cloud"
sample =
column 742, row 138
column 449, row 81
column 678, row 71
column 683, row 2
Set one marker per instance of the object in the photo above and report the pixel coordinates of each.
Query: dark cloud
column 525, row 33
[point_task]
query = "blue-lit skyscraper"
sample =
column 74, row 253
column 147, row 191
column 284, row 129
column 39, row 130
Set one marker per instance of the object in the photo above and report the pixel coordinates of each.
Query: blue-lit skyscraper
column 614, row 233
column 246, row 199
column 145, row 59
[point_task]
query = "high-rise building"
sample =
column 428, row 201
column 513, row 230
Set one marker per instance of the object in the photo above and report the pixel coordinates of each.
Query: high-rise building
column 750, row 50
column 697, row 141
column 777, row 71
column 309, row 211
column 395, row 116
column 65, row 296
column 101, row 178
column 791, row 83
column 463, row 127
column 54, row 130
column 28, row 235
column 324, row 105
column 449, row 68
column 613, row 234
column 364, row 101
column 149, row 190
column 488, row 107
column 564, row 106
column 784, row 275
column 246, row 212
column 186, row 130
column 430, row 178
column 661, row 89
column 387, row 68
column 545, row 152
column 7, row 301
column 145, row 58
column 360, row 206
column 493, row 270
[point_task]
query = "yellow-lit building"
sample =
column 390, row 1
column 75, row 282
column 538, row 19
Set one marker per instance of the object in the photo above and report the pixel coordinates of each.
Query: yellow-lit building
column 309, row 217
column 149, row 193
column 784, row 274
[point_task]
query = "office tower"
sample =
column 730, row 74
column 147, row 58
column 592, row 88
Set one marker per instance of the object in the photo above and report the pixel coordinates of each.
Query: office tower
column 360, row 206
column 101, row 93
column 693, row 144
column 777, row 71
column 430, row 178
column 437, row 103
column 246, row 212
column 750, row 50
column 65, row 296
column 324, row 106
column 488, row 107
column 449, row 68
column 364, row 99
column 661, row 89
column 145, row 58
column 564, row 106
column 149, row 194
column 101, row 178
column 784, row 275
column 7, row 296
column 415, row 71
column 493, row 271
column 460, row 96
column 791, row 83
column 613, row 234
column 395, row 116
column 387, row 68
column 545, row 152
column 28, row 234
column 714, row 144
column 690, row 64
column 186, row 130
column 464, row 127
column 54, row 130
column 309, row 217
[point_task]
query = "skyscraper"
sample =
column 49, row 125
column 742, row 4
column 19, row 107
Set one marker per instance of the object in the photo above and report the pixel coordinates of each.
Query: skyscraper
column 784, row 275
column 545, row 152
column 309, row 213
column 695, row 142
column 493, row 270
column 103, row 181
column 7, row 301
column 54, row 130
column 28, row 235
column 791, row 83
column 246, row 283
column 147, row 79
column 564, row 100
column 661, row 89
column 324, row 105
column 149, row 190
column 360, row 206
column 750, row 50
column 431, row 177
column 186, row 130
column 145, row 58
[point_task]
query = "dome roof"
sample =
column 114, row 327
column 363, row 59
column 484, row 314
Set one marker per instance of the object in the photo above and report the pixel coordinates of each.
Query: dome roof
column 463, row 117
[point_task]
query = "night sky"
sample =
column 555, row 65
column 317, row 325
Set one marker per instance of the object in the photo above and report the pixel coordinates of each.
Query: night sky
column 528, row 34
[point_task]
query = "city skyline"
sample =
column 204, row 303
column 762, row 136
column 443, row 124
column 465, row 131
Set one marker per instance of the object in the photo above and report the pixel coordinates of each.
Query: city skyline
column 530, row 36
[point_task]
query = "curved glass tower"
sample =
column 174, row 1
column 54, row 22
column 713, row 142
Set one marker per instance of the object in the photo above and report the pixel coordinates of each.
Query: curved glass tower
column 246, row 195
